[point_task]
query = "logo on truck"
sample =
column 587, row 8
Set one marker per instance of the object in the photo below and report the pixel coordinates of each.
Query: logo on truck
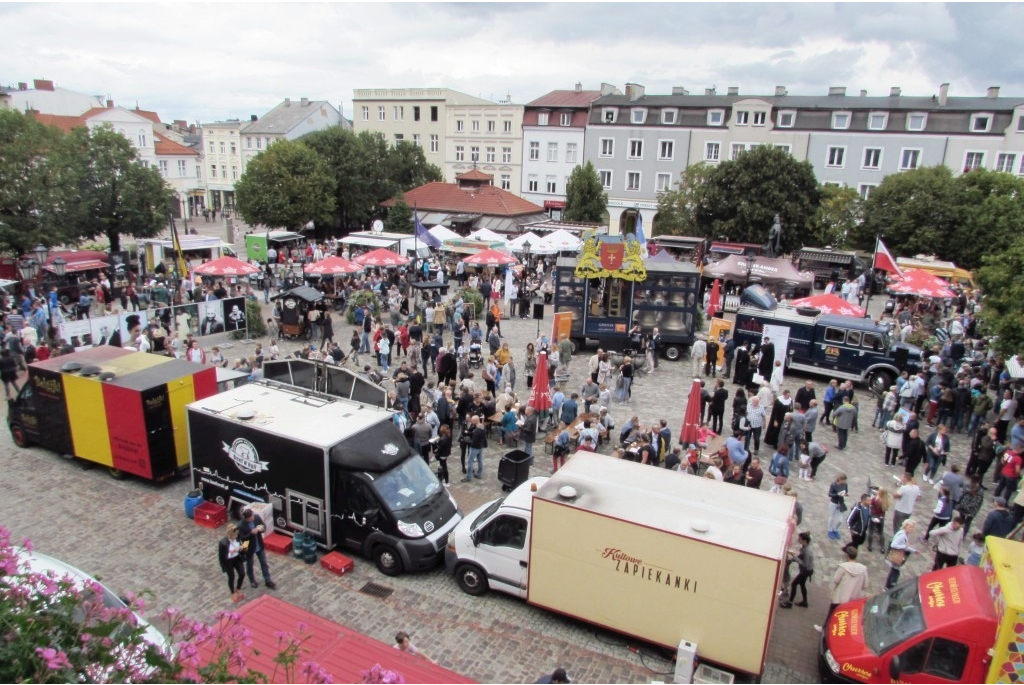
column 245, row 456
column 390, row 449
column 635, row 567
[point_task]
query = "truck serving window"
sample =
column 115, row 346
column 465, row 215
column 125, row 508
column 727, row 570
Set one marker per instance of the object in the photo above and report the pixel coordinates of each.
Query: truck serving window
column 835, row 335
column 892, row 617
column 407, row 485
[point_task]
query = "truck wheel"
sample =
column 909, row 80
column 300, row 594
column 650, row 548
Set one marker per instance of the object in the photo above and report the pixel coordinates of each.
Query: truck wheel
column 116, row 474
column 673, row 353
column 577, row 344
column 19, row 437
column 387, row 560
column 879, row 382
column 471, row 579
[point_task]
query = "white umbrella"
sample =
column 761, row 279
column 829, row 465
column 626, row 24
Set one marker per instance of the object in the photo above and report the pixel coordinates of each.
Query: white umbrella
column 561, row 240
column 516, row 245
column 443, row 233
column 487, row 235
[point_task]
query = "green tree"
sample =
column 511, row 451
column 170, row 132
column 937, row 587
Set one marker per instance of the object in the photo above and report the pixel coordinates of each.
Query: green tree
column 399, row 219
column 991, row 216
column 1003, row 314
column 286, row 185
column 408, row 168
column 342, row 151
column 585, row 199
column 29, row 189
column 840, row 212
column 682, row 209
column 917, row 211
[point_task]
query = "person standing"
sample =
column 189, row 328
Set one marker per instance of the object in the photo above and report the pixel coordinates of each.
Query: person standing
column 741, row 372
column 697, row 353
column 230, row 552
column 906, row 497
column 913, row 451
column 767, row 361
column 949, row 539
column 528, row 431
column 999, row 521
column 837, row 505
column 1007, row 409
column 805, row 562
column 850, row 581
column 899, row 551
column 831, row 390
column 718, row 400
column 443, row 450
column 970, row 503
column 626, row 370
column 844, row 417
column 880, row 505
column 755, row 419
column 251, row 530
column 477, row 443
column 711, row 365
column 893, row 439
column 859, row 520
column 730, row 354
column 564, row 352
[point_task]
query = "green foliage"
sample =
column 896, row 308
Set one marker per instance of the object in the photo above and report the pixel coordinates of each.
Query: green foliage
column 257, row 327
column 991, row 216
column 473, row 296
column 29, row 191
column 399, row 219
column 287, row 185
column 681, row 209
column 358, row 299
column 839, row 214
column 915, row 211
column 1003, row 312
column 408, row 168
column 585, row 199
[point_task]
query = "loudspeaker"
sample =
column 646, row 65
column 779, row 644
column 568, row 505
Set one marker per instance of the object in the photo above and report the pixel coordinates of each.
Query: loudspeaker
column 538, row 311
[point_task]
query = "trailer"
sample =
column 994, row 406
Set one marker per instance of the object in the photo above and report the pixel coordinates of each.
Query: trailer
column 284, row 242
column 336, row 470
column 828, row 265
column 122, row 409
column 154, row 251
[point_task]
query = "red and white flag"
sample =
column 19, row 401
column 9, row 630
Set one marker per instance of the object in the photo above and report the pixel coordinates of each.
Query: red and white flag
column 884, row 260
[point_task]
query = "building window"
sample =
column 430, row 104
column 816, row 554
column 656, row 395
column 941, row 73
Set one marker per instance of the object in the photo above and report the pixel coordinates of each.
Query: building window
column 981, row 123
column 366, row 113
column 606, row 178
column 508, row 127
column 570, row 153
column 551, row 184
column 163, row 167
column 974, row 160
column 399, row 137
column 460, row 153
column 234, row 172
column 506, row 155
column 638, row 116
column 668, row 116
column 213, row 171
column 836, row 156
column 760, row 118
column 399, row 113
column 878, row 120
column 736, row 149
column 182, row 168
column 534, row 151
column 434, row 143
column 787, row 119
column 213, row 148
column 224, row 171
column 476, row 125
column 542, row 118
column 416, row 140
column 531, row 183
column 662, row 182
column 632, row 180
column 382, row 113
column 474, row 153
column 841, row 120
column 223, row 147
column 506, row 182
column 666, row 150
column 1005, row 162
column 609, row 115
column 865, row 190
column 142, row 139
column 552, row 152
column 784, row 146
column 910, row 159
column 872, row 158
column 234, row 148
column 712, row 152
column 433, row 112
column 742, row 118
column 1020, row 124
column 716, row 117
column 565, row 119
column 266, row 142
column 259, row 143
column 636, row 148
column 490, row 126
column 248, row 143
column 416, row 113
column 460, row 125
column 916, row 121
column 491, row 155
column 607, row 147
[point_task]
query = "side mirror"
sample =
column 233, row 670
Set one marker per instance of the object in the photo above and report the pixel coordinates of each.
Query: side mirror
column 894, row 668
column 371, row 513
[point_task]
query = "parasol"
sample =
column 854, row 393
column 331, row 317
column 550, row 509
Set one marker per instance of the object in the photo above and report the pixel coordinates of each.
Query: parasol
column 226, row 266
column 715, row 303
column 829, row 304
column 691, row 417
column 921, row 283
column 332, row 266
column 490, row 258
column 381, row 257
column 540, row 393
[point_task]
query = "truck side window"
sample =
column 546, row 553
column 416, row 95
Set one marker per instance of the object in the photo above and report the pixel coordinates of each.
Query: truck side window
column 505, row 531
column 835, row 335
column 872, row 342
column 853, row 338
column 936, row 657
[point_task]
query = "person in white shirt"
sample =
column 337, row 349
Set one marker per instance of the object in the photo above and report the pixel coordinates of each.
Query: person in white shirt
column 906, row 497
column 697, row 353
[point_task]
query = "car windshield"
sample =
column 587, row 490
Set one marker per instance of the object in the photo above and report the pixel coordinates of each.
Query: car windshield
column 892, row 617
column 486, row 513
column 407, row 485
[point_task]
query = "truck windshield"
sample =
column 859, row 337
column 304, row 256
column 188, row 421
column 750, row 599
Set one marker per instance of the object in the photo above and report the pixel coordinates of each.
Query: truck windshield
column 486, row 513
column 407, row 485
column 892, row 617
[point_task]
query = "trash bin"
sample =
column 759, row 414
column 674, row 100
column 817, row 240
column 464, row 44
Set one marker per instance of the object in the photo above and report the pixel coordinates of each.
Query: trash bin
column 193, row 498
column 513, row 469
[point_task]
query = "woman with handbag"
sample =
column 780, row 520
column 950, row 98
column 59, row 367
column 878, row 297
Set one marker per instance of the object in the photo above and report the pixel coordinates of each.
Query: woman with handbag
column 880, row 504
column 899, row 551
column 231, row 554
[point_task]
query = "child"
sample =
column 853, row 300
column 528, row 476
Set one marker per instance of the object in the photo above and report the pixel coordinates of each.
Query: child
column 975, row 549
column 805, row 463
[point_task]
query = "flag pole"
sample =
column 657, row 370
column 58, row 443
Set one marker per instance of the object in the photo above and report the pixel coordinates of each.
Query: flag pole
column 871, row 275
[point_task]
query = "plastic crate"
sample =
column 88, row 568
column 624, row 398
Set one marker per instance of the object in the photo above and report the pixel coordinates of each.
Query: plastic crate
column 278, row 543
column 337, row 563
column 211, row 515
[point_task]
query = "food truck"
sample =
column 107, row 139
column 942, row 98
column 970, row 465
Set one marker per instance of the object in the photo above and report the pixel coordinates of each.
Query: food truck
column 122, row 409
column 653, row 554
column 962, row 624
column 337, row 470
column 194, row 248
column 610, row 288
column 828, row 265
column 284, row 242
column 947, row 270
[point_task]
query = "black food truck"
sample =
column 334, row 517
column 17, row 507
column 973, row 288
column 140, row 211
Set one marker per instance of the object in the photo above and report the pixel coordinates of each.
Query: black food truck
column 828, row 265
column 609, row 290
column 334, row 469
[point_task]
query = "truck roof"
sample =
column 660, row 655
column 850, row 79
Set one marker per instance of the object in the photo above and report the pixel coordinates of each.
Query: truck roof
column 744, row 519
column 791, row 315
column 653, row 267
column 121, row 367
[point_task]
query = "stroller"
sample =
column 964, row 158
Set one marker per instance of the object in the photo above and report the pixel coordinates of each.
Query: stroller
column 476, row 356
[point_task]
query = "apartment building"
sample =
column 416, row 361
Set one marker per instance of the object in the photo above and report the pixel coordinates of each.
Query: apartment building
column 45, row 97
column 640, row 143
column 222, row 152
column 287, row 121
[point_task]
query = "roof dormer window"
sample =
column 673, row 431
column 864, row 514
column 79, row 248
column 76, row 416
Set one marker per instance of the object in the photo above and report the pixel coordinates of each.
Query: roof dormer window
column 609, row 115
column 716, row 117
column 841, row 120
column 638, row 115
column 981, row 123
column 668, row 116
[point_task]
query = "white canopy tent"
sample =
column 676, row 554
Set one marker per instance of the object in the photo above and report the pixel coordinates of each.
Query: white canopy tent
column 487, row 234
column 443, row 233
column 559, row 241
column 516, row 245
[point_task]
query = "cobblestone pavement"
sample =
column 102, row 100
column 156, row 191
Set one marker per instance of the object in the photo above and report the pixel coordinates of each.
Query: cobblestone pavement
column 135, row 537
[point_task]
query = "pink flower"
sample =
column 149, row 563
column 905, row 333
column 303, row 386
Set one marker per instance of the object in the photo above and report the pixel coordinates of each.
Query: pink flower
column 54, row 659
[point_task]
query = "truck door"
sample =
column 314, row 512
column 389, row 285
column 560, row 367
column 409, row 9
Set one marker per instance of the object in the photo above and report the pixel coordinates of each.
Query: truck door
column 932, row 660
column 840, row 349
column 501, row 550
column 359, row 508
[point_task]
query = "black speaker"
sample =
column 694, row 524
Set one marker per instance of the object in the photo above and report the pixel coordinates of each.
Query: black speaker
column 538, row 311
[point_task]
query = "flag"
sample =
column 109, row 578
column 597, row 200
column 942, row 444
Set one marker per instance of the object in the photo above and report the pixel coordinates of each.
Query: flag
column 423, row 234
column 640, row 233
column 884, row 260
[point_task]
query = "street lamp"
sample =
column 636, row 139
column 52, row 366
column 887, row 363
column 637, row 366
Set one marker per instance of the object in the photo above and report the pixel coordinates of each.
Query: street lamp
column 28, row 269
column 526, row 252
column 41, row 251
column 60, row 266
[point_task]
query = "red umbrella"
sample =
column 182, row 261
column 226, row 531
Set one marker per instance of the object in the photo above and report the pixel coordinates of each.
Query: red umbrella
column 540, row 393
column 691, row 417
column 381, row 257
column 714, row 304
column 490, row 258
column 226, row 266
column 919, row 282
column 829, row 304
column 332, row 266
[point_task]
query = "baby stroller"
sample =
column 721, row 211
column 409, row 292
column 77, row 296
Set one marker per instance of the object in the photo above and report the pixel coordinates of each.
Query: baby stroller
column 476, row 355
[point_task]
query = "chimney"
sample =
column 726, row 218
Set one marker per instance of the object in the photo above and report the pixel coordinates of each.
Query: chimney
column 734, row 90
column 679, row 90
column 634, row 91
column 993, row 92
column 253, row 117
column 709, row 92
column 22, row 85
column 608, row 89
column 110, row 104
column 304, row 102
column 894, row 92
column 579, row 87
column 42, row 84
column 863, row 93
column 287, row 102
column 837, row 90
column 180, row 124
column 780, row 91
column 943, row 94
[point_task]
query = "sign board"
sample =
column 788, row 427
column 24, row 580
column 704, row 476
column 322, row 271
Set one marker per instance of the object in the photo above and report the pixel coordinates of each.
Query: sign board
column 561, row 324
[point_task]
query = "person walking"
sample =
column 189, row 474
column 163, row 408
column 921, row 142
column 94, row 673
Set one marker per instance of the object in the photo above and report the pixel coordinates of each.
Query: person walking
column 859, row 520
column 913, row 451
column 836, row 505
column 880, row 504
column 970, row 503
column 936, row 449
column 893, row 439
column 230, row 553
column 899, row 551
column 697, row 352
column 849, row 582
column 251, row 530
column 805, row 563
column 949, row 539
column 443, row 450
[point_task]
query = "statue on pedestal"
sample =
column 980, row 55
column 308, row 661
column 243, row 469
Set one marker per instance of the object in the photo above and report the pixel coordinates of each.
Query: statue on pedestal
column 774, row 246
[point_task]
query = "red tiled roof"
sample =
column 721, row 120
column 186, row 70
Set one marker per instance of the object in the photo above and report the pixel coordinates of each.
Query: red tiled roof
column 165, row 146
column 64, row 123
column 448, row 197
column 474, row 175
column 566, row 98
column 579, row 118
column 152, row 116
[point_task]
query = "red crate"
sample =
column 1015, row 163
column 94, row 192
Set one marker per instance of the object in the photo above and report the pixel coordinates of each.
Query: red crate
column 278, row 543
column 337, row 563
column 211, row 515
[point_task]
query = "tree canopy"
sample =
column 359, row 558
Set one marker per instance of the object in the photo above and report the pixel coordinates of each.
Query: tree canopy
column 286, row 185
column 399, row 219
column 1003, row 312
column 840, row 212
column 585, row 199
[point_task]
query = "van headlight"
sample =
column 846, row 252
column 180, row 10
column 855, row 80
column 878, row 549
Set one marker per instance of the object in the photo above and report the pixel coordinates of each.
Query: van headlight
column 411, row 530
column 831, row 661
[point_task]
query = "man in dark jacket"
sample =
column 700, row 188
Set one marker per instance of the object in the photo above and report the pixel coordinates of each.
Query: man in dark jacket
column 805, row 394
column 767, row 361
column 859, row 519
column 718, row 400
column 711, row 365
column 251, row 529
column 528, row 431
column 913, row 451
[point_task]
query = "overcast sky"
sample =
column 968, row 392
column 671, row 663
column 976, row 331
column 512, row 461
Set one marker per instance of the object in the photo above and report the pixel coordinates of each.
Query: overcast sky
column 214, row 61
